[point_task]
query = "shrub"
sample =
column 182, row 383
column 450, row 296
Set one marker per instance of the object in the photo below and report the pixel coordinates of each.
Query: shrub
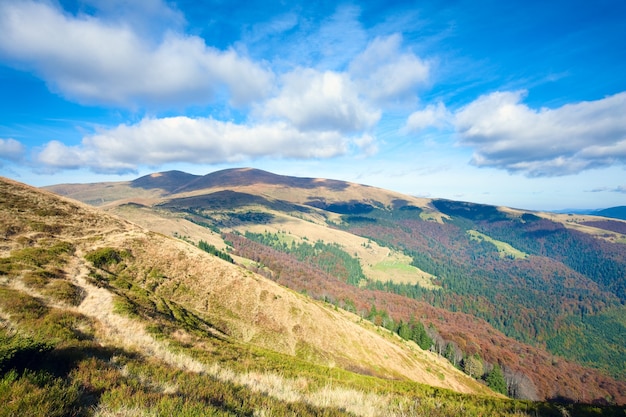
column 42, row 256
column 37, row 394
column 65, row 292
column 104, row 257
column 18, row 352
column 125, row 307
column 20, row 305
column 100, row 281
column 35, row 279
column 60, row 326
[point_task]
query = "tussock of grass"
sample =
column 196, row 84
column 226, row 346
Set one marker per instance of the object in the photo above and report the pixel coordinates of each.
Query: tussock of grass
column 41, row 256
column 65, row 292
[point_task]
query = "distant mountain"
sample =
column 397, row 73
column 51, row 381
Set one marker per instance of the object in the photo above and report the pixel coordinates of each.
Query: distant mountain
column 618, row 212
column 168, row 181
column 237, row 177
column 613, row 212
column 540, row 294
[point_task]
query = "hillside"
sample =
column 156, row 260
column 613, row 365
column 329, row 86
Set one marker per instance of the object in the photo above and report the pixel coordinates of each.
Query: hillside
column 100, row 314
column 539, row 294
column 615, row 212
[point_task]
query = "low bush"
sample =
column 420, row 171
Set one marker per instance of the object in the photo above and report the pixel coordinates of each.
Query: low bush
column 18, row 352
column 104, row 257
column 21, row 306
column 37, row 394
column 65, row 292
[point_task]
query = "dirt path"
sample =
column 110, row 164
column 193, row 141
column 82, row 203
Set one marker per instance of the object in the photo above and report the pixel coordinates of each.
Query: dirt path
column 117, row 330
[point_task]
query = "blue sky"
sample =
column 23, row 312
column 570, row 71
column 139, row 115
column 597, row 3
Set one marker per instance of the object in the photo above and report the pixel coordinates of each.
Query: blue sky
column 516, row 103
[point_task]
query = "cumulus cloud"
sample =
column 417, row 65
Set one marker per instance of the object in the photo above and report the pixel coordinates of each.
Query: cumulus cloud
column 507, row 134
column 367, row 145
column 153, row 142
column 11, row 150
column 385, row 73
column 313, row 100
column 433, row 115
column 92, row 60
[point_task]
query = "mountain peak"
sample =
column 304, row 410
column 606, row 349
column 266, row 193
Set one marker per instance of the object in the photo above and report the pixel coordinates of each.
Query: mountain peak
column 234, row 177
column 168, row 180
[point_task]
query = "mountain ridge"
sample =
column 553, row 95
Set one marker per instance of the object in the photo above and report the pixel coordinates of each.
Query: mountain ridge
column 175, row 181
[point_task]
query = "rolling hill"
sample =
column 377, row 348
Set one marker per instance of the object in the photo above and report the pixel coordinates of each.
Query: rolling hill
column 541, row 295
column 101, row 316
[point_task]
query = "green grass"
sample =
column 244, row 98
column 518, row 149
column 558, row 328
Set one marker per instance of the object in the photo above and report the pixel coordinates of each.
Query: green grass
column 40, row 256
column 391, row 266
column 504, row 249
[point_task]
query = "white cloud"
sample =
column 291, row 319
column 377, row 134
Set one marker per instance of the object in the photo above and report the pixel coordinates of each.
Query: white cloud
column 313, row 100
column 11, row 150
column 367, row 145
column 507, row 134
column 202, row 141
column 385, row 73
column 96, row 61
column 144, row 16
column 433, row 115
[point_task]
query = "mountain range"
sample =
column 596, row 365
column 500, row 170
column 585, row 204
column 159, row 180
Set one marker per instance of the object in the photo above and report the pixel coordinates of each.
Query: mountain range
column 258, row 271
column 618, row 212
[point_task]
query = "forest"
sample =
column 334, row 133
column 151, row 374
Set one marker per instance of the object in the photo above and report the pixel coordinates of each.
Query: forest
column 391, row 305
column 568, row 280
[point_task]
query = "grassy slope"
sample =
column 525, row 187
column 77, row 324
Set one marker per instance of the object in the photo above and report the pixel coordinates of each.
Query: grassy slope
column 164, row 299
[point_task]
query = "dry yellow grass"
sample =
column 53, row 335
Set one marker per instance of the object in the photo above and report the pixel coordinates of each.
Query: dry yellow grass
column 103, row 193
column 116, row 330
column 259, row 311
column 167, row 224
